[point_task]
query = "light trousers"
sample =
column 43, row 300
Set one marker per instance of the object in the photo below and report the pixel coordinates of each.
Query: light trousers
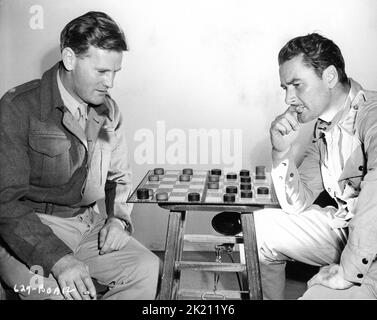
column 306, row 237
column 130, row 273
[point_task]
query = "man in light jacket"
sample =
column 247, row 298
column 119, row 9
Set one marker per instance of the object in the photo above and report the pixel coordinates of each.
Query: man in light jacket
column 340, row 159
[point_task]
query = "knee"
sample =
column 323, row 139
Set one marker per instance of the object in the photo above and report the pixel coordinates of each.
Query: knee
column 315, row 292
column 271, row 255
column 268, row 237
column 148, row 265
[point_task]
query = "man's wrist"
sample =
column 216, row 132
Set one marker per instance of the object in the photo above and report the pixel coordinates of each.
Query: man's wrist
column 278, row 154
column 123, row 223
column 61, row 262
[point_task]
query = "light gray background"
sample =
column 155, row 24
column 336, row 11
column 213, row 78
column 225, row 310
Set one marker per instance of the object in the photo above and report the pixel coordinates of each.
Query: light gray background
column 193, row 64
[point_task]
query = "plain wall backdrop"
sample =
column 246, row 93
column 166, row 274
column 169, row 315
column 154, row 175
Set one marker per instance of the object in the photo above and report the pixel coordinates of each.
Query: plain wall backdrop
column 200, row 85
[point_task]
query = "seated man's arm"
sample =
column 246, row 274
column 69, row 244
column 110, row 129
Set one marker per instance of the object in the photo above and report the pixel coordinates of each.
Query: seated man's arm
column 117, row 189
column 296, row 188
column 29, row 239
column 361, row 248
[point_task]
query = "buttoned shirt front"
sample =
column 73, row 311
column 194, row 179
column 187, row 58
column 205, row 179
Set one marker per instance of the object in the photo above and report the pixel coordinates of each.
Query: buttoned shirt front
column 342, row 159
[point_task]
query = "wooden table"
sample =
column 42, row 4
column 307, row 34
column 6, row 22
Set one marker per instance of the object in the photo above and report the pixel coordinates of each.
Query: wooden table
column 175, row 240
column 169, row 181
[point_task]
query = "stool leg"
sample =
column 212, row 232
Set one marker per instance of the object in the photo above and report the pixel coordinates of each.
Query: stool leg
column 244, row 278
column 251, row 256
column 2, row 293
column 179, row 253
column 173, row 252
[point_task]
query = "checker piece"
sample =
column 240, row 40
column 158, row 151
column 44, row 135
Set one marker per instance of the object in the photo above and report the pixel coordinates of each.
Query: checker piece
column 193, row 196
column 162, row 196
column 143, row 194
column 184, row 177
column 159, row 171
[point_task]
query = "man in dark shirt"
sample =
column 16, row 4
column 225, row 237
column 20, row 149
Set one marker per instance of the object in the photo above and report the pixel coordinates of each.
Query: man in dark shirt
column 62, row 148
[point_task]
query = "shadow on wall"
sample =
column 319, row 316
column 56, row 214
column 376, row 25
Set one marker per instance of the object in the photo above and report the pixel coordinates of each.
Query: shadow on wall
column 262, row 150
column 259, row 153
column 50, row 58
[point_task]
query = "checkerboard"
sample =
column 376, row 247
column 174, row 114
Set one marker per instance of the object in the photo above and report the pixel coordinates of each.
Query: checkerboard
column 178, row 191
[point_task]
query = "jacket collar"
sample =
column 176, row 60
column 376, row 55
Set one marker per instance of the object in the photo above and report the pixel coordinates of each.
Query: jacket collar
column 50, row 96
column 346, row 117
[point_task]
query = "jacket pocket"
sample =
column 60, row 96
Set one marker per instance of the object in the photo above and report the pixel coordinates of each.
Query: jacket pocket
column 50, row 145
column 50, row 158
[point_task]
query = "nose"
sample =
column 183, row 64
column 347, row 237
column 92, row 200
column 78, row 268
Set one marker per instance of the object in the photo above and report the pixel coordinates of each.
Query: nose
column 290, row 96
column 109, row 80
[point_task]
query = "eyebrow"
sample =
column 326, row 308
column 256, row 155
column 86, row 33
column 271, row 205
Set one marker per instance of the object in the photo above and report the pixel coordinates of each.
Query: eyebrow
column 290, row 82
column 106, row 69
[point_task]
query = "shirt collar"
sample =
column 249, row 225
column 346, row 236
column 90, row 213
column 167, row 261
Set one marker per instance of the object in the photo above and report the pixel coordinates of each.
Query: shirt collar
column 330, row 115
column 69, row 101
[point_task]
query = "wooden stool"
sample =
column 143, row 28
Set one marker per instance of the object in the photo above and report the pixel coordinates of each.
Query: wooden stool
column 175, row 238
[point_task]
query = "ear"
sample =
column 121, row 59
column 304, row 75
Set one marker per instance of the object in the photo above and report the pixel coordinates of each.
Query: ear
column 330, row 76
column 68, row 58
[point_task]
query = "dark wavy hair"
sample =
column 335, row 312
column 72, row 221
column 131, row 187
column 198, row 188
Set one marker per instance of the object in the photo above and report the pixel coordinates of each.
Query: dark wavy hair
column 92, row 29
column 318, row 52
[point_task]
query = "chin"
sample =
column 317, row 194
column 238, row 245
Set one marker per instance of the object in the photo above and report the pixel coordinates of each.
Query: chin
column 97, row 101
column 303, row 118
